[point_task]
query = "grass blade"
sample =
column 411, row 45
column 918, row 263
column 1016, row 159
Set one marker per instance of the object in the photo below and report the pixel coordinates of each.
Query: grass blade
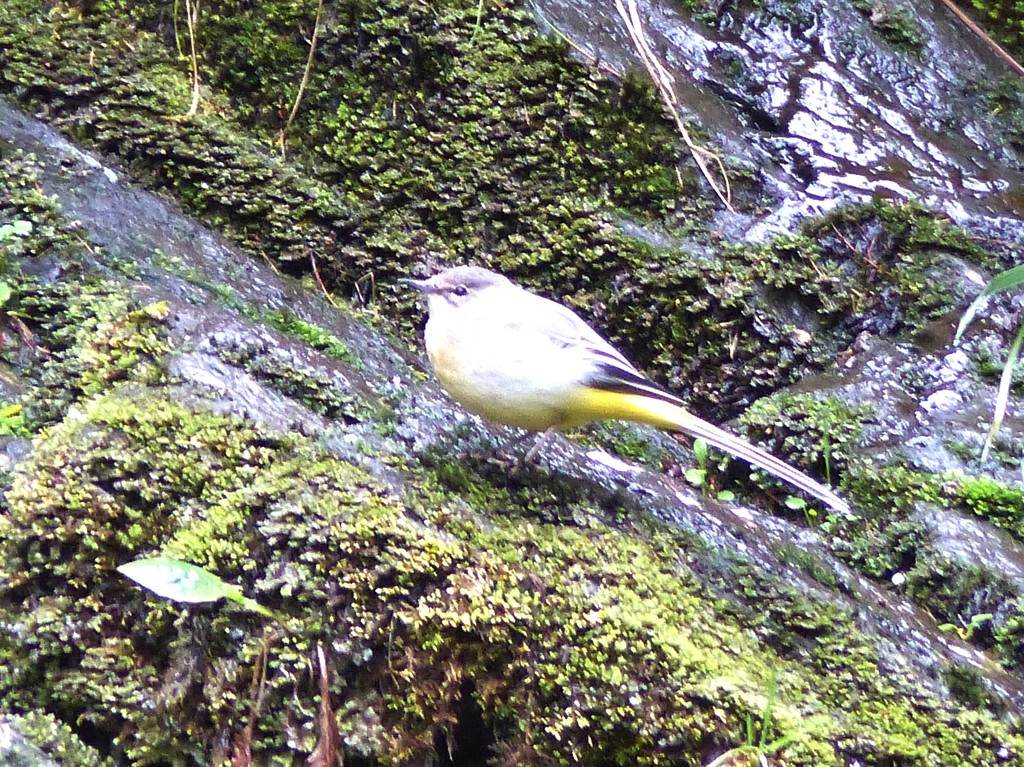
column 1003, row 396
column 1008, row 280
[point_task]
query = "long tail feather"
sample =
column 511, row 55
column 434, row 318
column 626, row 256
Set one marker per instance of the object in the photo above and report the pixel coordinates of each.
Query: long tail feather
column 621, row 393
column 762, row 459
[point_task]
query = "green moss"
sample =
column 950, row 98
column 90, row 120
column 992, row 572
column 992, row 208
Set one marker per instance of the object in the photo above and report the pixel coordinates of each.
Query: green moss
column 353, row 542
column 729, row 330
column 314, row 335
column 964, row 596
column 809, row 563
column 13, row 236
column 282, row 319
column 254, row 199
column 989, row 499
column 1004, row 97
column 58, row 741
column 892, row 489
column 579, row 642
column 894, row 23
column 49, row 232
column 903, row 259
column 84, row 334
column 584, row 133
column 968, row 686
column 1004, row 21
column 632, row 443
column 1007, row 627
column 422, row 132
column 98, row 335
column 485, row 484
column 921, row 227
column 330, row 396
column 893, row 544
column 809, row 432
column 131, row 473
column 581, row 632
column 883, row 550
column 32, row 227
column 989, row 358
column 12, row 421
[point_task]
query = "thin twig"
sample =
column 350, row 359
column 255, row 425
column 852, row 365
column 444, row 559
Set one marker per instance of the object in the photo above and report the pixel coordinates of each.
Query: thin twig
column 192, row 14
column 319, row 280
column 663, row 81
column 305, row 75
column 177, row 35
column 998, row 49
column 479, row 20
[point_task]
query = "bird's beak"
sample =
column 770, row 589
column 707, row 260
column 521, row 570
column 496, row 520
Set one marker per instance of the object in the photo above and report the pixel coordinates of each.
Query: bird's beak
column 421, row 285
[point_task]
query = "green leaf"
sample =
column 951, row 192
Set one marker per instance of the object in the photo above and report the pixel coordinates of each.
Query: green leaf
column 980, row 619
column 1003, row 394
column 1008, row 280
column 695, row 477
column 15, row 229
column 796, row 504
column 184, row 582
column 178, row 580
column 5, row 292
column 10, row 411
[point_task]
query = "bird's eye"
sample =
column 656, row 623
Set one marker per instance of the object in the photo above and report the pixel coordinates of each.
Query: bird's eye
column 460, row 290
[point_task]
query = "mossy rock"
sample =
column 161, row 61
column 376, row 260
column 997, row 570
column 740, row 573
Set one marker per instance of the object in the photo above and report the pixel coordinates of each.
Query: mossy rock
column 574, row 644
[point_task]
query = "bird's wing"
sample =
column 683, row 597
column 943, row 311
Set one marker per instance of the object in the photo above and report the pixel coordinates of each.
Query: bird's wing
column 606, row 368
column 564, row 328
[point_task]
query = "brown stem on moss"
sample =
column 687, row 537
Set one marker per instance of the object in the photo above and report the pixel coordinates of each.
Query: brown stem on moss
column 305, row 79
column 192, row 14
column 663, row 81
column 996, row 47
column 320, row 281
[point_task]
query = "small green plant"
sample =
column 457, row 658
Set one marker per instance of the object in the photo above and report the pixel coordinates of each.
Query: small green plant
column 697, row 475
column 826, row 445
column 795, row 503
column 12, row 421
column 314, row 335
column 1010, row 279
column 757, row 744
column 966, row 629
column 15, row 230
column 184, row 582
column 1004, row 22
column 11, row 243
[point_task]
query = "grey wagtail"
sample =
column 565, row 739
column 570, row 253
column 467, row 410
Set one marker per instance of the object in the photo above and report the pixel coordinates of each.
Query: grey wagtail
column 516, row 358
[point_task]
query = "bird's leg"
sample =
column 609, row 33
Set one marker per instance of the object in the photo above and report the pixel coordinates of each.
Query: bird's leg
column 542, row 440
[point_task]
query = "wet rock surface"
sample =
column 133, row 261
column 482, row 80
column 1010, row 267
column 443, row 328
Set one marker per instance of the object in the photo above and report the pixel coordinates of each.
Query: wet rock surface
column 830, row 102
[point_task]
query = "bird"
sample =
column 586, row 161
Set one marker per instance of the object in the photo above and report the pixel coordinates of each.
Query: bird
column 519, row 359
